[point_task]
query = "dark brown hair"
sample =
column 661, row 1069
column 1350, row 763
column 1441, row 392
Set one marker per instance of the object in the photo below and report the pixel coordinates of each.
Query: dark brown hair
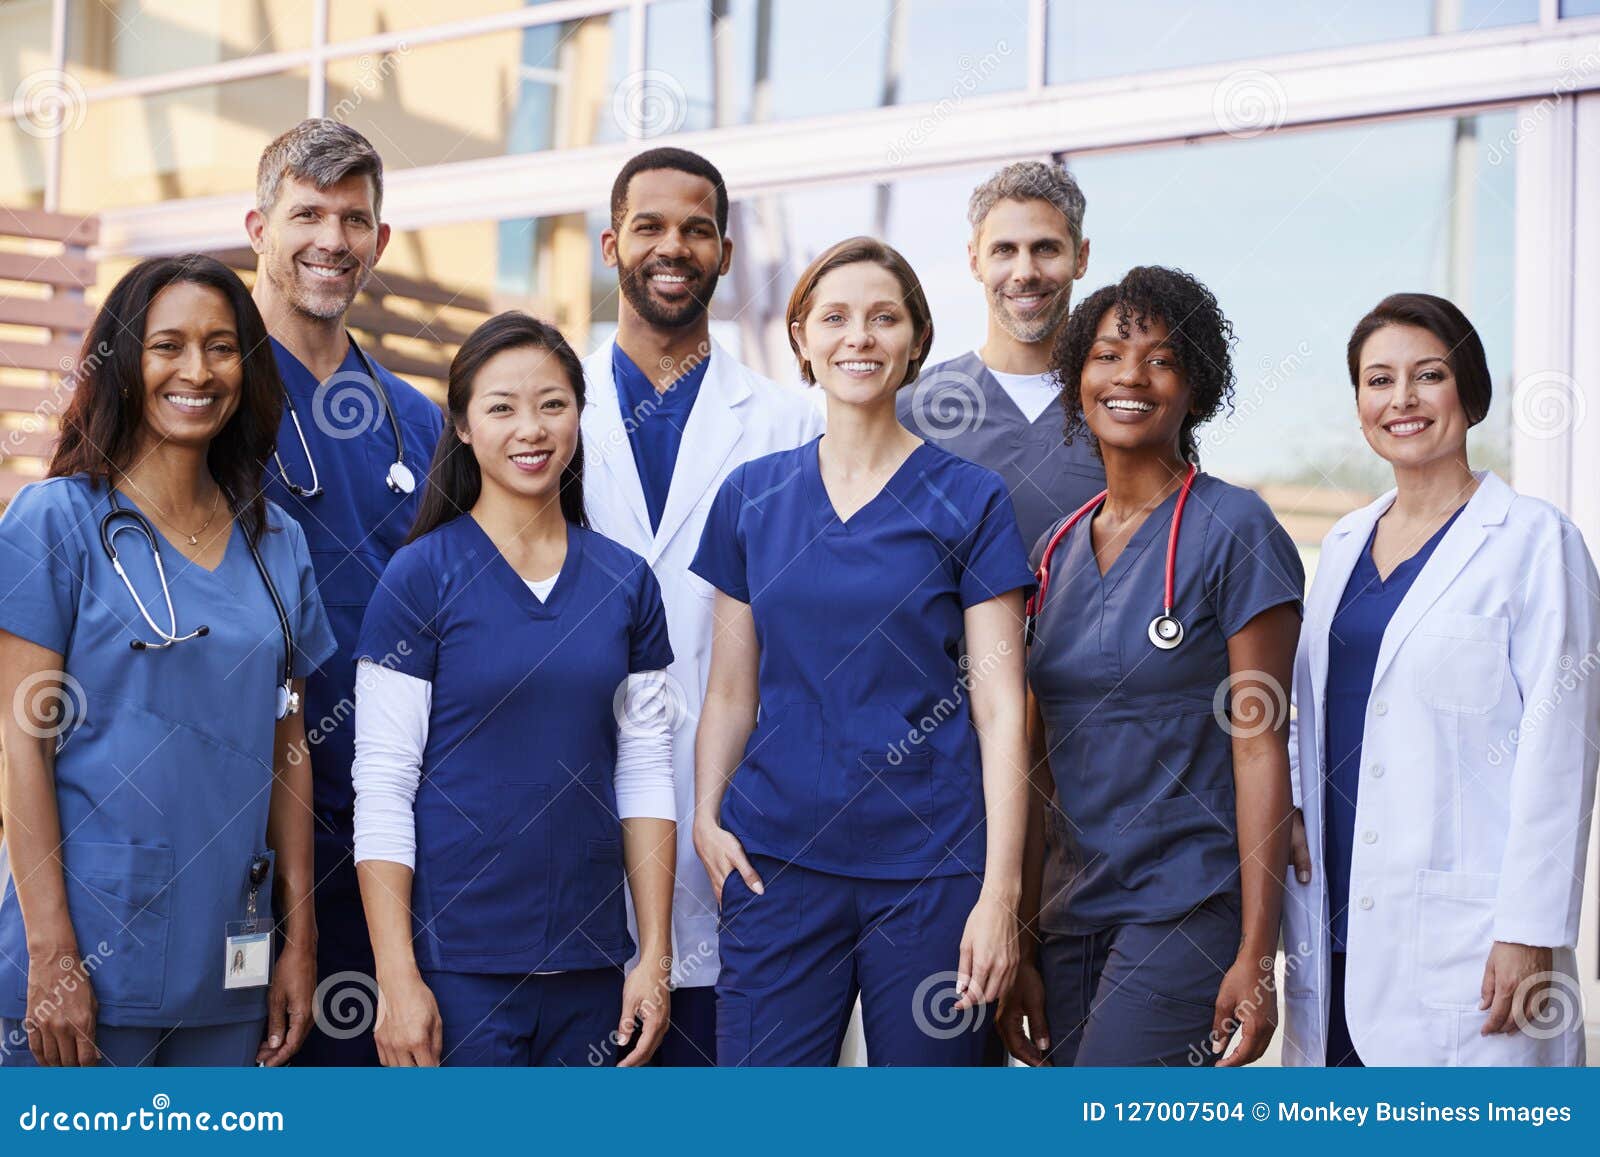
column 100, row 429
column 1441, row 318
column 854, row 251
column 454, row 477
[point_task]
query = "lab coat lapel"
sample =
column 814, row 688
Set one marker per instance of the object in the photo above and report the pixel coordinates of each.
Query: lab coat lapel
column 1486, row 507
column 1340, row 553
column 709, row 437
column 608, row 448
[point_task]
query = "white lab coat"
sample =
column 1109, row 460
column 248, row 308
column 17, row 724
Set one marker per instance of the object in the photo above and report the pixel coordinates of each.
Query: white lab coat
column 738, row 415
column 1477, row 784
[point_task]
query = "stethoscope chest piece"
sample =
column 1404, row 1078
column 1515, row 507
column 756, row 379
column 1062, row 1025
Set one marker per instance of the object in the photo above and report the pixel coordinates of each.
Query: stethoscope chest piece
column 288, row 703
column 1166, row 632
column 401, row 480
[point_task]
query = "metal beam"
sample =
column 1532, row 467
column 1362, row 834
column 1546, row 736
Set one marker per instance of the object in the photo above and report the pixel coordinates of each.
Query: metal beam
column 1305, row 90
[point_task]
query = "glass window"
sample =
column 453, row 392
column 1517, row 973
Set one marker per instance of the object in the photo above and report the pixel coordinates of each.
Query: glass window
column 1086, row 40
column 1424, row 204
column 1580, row 7
column 520, row 91
column 195, row 142
column 348, row 19
column 936, row 50
column 111, row 40
column 24, row 43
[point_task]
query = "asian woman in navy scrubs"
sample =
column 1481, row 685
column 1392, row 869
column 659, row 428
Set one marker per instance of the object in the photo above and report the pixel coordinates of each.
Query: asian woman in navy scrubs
column 1169, row 766
column 513, row 743
column 860, row 782
column 153, row 796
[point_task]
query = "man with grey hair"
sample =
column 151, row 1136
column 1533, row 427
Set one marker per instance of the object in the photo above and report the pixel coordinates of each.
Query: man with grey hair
column 998, row 405
column 353, row 450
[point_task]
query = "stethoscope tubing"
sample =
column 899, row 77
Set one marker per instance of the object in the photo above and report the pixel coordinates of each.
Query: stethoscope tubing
column 400, row 479
column 1166, row 631
column 134, row 520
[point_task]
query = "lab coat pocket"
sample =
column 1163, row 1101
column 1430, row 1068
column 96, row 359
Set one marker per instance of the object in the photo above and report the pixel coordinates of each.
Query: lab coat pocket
column 1454, row 930
column 120, row 897
column 892, row 813
column 1461, row 659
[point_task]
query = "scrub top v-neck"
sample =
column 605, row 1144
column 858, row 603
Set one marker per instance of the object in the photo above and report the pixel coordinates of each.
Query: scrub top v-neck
column 164, row 765
column 1140, row 755
column 864, row 761
column 1365, row 608
column 518, row 852
column 960, row 406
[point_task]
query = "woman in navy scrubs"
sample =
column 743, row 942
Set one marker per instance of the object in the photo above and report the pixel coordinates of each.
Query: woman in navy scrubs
column 861, row 782
column 513, row 743
column 1159, row 672
column 154, row 800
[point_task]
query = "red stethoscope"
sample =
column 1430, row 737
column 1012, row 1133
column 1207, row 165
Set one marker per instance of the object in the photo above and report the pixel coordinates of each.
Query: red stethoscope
column 1166, row 632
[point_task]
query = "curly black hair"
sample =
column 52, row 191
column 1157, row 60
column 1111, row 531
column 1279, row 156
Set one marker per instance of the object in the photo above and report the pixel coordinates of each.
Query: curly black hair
column 1201, row 338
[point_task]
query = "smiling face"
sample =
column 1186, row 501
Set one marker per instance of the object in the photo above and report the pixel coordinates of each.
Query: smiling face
column 318, row 246
column 1406, row 397
column 1027, row 261
column 522, row 422
column 1135, row 394
column 858, row 335
column 668, row 253
column 192, row 365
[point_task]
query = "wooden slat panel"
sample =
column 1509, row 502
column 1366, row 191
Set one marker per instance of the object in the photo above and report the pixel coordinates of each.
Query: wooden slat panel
column 428, row 291
column 29, row 399
column 64, row 313
column 406, row 364
column 12, row 481
column 38, row 355
column 62, row 270
column 376, row 319
column 37, row 444
column 63, row 227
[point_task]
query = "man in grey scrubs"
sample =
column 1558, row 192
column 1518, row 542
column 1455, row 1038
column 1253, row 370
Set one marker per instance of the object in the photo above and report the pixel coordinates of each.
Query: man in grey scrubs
column 997, row 405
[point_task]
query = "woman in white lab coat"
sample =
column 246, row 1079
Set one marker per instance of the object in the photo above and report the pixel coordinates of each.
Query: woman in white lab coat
column 1442, row 759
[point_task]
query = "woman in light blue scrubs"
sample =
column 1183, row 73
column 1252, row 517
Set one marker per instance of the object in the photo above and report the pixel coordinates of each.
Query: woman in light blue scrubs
column 860, row 779
column 1160, row 671
column 155, row 805
column 513, row 743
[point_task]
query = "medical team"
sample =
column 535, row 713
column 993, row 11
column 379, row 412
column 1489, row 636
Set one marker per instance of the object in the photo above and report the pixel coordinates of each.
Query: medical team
column 660, row 722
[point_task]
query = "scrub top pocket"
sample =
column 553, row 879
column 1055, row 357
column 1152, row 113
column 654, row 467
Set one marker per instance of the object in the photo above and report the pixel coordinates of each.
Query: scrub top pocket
column 774, row 796
column 891, row 814
column 490, row 892
column 120, row 897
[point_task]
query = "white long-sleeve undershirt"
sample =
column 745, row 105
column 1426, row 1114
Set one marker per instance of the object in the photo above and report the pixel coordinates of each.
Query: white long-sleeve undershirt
column 391, row 734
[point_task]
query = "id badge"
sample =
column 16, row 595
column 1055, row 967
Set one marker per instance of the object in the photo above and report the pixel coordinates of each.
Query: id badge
column 248, row 962
column 247, row 943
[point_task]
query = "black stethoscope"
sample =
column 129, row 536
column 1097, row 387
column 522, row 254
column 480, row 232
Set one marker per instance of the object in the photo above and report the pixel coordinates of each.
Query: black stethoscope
column 122, row 518
column 400, row 478
column 1165, row 632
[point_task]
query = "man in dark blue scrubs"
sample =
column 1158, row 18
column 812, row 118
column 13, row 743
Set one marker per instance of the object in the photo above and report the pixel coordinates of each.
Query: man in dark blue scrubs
column 353, row 453
column 998, row 405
